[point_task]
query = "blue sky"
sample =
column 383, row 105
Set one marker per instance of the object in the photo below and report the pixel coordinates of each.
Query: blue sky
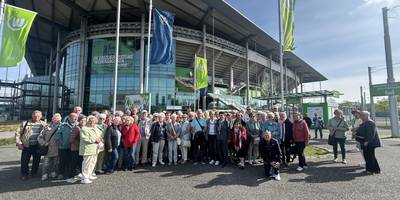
column 339, row 38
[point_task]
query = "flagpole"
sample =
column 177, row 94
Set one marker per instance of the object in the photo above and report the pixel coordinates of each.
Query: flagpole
column 194, row 83
column 116, row 58
column 148, row 48
column 281, row 54
column 2, row 6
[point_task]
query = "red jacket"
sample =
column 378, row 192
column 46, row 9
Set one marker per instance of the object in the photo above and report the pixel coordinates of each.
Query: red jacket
column 300, row 131
column 236, row 140
column 130, row 135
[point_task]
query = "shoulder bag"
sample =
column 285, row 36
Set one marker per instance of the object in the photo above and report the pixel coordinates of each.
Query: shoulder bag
column 331, row 138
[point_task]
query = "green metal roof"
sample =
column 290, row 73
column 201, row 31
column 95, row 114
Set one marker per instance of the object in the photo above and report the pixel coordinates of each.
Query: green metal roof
column 319, row 93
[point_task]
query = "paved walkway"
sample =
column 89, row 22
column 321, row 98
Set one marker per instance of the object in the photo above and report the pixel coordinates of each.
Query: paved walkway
column 322, row 180
column 4, row 135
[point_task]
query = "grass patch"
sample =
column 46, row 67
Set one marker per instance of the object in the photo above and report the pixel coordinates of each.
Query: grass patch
column 7, row 141
column 315, row 152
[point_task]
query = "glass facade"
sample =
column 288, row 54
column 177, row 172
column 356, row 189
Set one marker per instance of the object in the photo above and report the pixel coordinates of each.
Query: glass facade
column 99, row 83
column 69, row 73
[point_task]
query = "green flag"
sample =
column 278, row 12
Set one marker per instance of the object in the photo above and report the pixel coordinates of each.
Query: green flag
column 16, row 25
column 201, row 73
column 288, row 24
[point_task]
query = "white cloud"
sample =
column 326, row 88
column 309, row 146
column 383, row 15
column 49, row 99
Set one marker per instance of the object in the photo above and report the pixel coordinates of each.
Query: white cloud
column 383, row 3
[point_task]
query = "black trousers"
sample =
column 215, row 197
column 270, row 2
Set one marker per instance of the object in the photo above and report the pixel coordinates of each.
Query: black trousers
column 316, row 132
column 341, row 142
column 65, row 163
column 300, row 146
column 371, row 164
column 267, row 169
column 76, row 163
column 212, row 147
column 222, row 148
column 26, row 155
column 199, row 149
column 285, row 151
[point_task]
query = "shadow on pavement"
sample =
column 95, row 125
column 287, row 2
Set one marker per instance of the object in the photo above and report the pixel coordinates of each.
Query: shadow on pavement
column 327, row 171
column 251, row 176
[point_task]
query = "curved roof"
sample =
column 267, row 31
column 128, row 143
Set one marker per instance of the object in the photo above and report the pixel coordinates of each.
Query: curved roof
column 65, row 15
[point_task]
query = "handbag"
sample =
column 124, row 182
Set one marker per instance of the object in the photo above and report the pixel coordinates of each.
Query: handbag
column 331, row 138
column 44, row 149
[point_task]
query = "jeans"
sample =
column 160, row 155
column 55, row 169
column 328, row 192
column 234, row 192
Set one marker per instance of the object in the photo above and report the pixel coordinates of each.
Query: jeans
column 65, row 163
column 316, row 132
column 172, row 151
column 141, row 147
column 371, row 164
column 133, row 154
column 128, row 162
column 49, row 165
column 212, row 147
column 252, row 153
column 341, row 142
column 121, row 157
column 26, row 154
column 267, row 169
column 222, row 146
column 76, row 163
column 112, row 160
column 300, row 146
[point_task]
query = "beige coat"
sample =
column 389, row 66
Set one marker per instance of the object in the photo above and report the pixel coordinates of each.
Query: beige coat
column 23, row 138
column 88, row 137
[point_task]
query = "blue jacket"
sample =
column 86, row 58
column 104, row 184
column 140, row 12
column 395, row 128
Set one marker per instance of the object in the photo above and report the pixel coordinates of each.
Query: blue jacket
column 64, row 135
column 274, row 128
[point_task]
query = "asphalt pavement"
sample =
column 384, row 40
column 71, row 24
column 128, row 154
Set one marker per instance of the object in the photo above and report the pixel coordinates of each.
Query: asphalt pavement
column 323, row 180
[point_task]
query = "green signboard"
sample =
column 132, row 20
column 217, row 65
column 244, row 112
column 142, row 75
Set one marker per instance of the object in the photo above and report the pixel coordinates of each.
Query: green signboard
column 103, row 56
column 385, row 89
column 293, row 100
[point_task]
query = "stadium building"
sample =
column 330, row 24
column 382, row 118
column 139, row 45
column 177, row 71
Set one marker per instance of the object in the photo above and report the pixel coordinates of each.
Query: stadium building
column 74, row 42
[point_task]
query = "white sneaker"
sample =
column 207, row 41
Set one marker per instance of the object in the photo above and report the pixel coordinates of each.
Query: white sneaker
column 44, row 177
column 72, row 180
column 344, row 161
column 80, row 175
column 335, row 160
column 299, row 169
column 86, row 181
column 161, row 162
column 153, row 165
column 93, row 177
column 94, row 174
column 277, row 177
column 217, row 163
column 53, row 175
column 212, row 162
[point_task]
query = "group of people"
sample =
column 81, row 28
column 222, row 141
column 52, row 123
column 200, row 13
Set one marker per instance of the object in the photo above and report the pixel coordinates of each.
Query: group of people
column 78, row 147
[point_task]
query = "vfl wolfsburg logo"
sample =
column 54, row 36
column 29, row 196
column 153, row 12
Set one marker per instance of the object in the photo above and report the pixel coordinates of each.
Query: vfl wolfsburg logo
column 201, row 66
column 16, row 24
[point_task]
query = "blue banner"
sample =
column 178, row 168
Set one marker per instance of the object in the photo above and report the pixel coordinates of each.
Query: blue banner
column 162, row 40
